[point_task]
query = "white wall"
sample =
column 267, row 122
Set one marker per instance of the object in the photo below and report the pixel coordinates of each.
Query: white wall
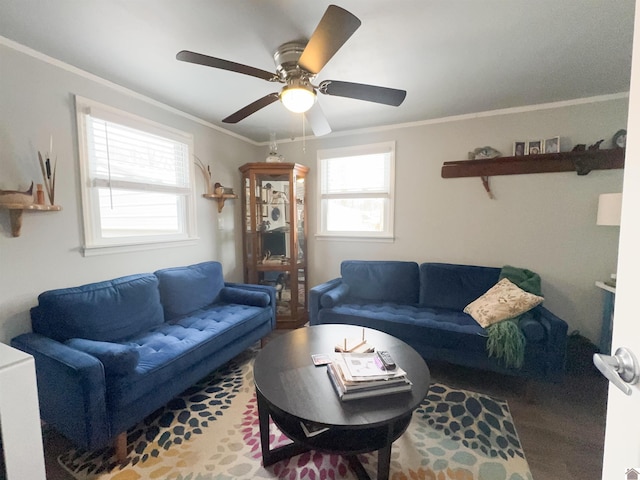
column 544, row 222
column 36, row 101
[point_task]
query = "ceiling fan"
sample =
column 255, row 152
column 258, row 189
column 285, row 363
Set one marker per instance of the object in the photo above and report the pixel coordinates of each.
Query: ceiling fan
column 297, row 64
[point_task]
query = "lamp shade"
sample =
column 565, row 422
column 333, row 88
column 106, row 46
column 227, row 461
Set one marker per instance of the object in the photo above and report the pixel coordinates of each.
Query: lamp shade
column 609, row 209
column 297, row 99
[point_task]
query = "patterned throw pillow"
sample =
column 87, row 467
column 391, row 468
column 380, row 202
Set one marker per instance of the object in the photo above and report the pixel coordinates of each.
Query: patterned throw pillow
column 502, row 301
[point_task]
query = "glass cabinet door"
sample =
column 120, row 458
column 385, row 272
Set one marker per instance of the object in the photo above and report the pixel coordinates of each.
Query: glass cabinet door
column 274, row 211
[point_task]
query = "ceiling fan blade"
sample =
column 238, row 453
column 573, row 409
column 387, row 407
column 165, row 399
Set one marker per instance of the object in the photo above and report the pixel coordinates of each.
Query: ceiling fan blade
column 317, row 120
column 200, row 59
column 251, row 108
column 334, row 29
column 360, row 91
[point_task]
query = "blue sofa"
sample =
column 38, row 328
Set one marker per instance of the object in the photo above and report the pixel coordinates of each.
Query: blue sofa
column 423, row 306
column 108, row 354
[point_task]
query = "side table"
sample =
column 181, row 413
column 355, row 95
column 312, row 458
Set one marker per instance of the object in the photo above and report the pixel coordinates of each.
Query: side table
column 607, row 317
column 20, row 416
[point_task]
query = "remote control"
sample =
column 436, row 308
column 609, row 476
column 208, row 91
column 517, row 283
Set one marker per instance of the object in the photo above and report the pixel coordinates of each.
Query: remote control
column 387, row 361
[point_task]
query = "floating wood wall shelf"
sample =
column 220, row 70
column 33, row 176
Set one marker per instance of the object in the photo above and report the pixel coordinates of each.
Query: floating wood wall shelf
column 221, row 198
column 16, row 210
column 580, row 162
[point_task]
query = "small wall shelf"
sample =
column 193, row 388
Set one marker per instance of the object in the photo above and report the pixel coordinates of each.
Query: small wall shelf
column 16, row 210
column 581, row 162
column 221, row 198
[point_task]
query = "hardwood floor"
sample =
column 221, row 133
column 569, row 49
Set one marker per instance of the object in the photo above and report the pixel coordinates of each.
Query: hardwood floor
column 561, row 426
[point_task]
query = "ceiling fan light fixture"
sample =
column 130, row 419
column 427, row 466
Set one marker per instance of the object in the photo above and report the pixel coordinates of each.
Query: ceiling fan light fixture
column 298, row 96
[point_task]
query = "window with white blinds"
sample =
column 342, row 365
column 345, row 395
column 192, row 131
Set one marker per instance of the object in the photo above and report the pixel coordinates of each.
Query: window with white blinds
column 136, row 177
column 356, row 191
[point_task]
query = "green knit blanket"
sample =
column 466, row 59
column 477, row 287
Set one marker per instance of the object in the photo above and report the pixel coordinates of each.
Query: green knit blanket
column 506, row 341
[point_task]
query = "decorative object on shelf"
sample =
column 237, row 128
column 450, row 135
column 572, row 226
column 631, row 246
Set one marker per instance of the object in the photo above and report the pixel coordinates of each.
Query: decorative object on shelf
column 581, row 147
column 17, row 197
column 519, row 149
column 552, row 145
column 484, row 153
column 39, row 194
column 220, row 190
column 534, row 147
column 619, row 140
column 273, row 150
column 595, row 146
column 206, row 173
column 49, row 176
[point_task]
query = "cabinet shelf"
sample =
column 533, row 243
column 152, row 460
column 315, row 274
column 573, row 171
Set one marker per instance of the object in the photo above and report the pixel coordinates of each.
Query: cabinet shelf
column 581, row 162
column 16, row 210
column 220, row 198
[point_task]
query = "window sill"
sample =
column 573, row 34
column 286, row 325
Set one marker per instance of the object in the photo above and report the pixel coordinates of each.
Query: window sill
column 135, row 247
column 355, row 238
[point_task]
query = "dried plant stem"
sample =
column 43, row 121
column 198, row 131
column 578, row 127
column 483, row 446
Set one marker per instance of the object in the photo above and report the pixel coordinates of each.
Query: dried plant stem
column 206, row 173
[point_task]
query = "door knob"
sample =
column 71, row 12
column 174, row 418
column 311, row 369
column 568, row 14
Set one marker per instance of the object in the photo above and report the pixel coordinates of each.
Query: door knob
column 621, row 369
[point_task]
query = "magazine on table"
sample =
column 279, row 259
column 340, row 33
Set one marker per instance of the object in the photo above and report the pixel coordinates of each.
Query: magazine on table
column 358, row 367
column 379, row 387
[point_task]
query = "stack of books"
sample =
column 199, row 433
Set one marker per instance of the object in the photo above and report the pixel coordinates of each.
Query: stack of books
column 359, row 375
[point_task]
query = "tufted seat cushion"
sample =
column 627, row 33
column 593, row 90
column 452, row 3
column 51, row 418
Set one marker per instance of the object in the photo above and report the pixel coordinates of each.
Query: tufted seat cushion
column 169, row 349
column 429, row 326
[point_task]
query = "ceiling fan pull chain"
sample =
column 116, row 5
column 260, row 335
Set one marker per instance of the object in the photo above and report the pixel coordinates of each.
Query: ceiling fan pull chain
column 304, row 135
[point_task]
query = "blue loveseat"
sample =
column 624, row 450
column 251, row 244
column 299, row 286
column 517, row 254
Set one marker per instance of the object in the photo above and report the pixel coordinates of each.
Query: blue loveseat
column 108, row 354
column 423, row 306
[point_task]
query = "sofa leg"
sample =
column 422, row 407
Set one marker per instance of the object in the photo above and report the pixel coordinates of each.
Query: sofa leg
column 121, row 447
column 262, row 342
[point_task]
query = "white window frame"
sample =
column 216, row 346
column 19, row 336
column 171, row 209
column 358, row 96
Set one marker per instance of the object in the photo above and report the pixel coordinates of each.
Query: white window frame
column 94, row 242
column 388, row 194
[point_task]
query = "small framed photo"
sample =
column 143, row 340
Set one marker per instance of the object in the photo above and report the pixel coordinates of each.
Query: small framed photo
column 552, row 145
column 534, row 147
column 519, row 148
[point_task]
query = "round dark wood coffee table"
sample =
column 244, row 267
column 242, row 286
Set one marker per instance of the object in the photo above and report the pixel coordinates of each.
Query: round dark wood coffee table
column 291, row 389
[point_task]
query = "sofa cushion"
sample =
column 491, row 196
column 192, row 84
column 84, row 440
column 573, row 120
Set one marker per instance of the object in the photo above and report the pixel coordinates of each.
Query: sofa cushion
column 117, row 359
column 502, row 301
column 186, row 289
column 104, row 311
column 243, row 296
column 176, row 346
column 382, row 281
column 444, row 285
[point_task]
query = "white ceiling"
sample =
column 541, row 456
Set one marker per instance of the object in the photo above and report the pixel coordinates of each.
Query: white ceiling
column 452, row 57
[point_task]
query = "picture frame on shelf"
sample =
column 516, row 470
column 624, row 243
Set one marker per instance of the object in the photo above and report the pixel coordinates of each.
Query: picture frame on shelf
column 534, row 147
column 552, row 145
column 519, row 149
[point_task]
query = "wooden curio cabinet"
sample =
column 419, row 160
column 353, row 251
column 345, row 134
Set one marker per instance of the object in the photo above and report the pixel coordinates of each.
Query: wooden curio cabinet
column 274, row 213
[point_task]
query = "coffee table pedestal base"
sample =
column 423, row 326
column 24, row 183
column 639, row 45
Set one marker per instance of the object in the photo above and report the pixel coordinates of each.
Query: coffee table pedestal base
column 351, row 441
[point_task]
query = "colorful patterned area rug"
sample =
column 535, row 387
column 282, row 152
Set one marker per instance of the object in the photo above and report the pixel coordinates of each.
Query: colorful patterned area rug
column 211, row 432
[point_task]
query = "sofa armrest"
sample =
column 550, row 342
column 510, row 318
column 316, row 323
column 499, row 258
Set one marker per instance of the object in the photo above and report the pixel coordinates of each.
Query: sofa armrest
column 71, row 390
column 269, row 290
column 315, row 295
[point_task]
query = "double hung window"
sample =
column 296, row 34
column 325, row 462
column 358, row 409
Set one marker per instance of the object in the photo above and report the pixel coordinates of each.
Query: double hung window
column 136, row 179
column 356, row 191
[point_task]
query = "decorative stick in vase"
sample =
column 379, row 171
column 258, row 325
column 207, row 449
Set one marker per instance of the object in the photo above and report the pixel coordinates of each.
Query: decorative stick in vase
column 49, row 177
